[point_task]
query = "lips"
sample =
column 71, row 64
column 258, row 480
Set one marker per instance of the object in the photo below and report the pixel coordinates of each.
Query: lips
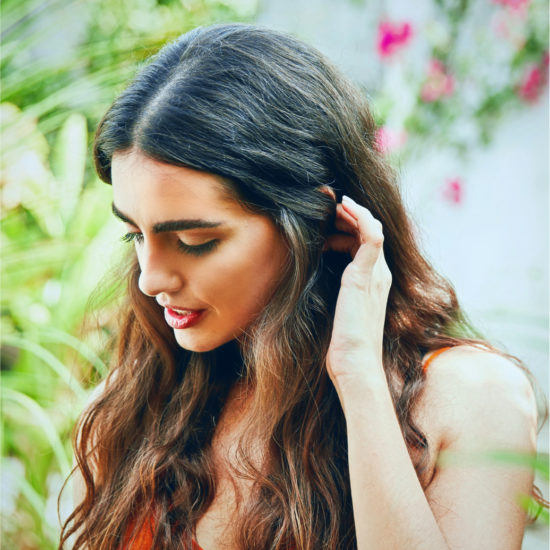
column 182, row 318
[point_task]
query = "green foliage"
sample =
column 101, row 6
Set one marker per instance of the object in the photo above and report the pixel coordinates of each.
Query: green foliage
column 58, row 239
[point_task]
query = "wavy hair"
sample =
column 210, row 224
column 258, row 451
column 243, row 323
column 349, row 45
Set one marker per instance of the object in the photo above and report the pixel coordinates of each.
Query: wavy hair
column 272, row 117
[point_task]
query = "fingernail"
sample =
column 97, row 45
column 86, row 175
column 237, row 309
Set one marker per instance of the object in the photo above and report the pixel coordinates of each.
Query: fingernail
column 345, row 198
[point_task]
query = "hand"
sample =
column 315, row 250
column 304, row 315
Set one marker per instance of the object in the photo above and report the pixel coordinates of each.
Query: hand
column 356, row 343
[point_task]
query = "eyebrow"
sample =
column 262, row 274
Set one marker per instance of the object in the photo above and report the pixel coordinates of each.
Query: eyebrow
column 169, row 225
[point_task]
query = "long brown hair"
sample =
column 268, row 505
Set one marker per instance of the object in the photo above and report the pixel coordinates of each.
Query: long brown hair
column 273, row 118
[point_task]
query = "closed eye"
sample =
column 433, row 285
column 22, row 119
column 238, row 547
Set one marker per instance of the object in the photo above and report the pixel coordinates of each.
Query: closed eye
column 132, row 237
column 193, row 249
column 198, row 249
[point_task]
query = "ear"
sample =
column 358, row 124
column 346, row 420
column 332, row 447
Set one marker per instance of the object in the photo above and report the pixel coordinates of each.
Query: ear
column 327, row 226
column 329, row 191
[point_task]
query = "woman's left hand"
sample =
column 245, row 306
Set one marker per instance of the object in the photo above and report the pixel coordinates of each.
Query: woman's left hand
column 355, row 350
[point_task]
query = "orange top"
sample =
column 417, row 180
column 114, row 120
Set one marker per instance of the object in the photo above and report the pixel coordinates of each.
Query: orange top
column 432, row 356
column 144, row 539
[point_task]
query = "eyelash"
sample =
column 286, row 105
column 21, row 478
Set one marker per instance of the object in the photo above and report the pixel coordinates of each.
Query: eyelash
column 195, row 250
column 198, row 249
column 131, row 237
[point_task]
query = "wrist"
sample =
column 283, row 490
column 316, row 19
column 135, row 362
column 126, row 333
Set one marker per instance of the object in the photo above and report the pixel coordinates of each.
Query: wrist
column 364, row 399
column 361, row 384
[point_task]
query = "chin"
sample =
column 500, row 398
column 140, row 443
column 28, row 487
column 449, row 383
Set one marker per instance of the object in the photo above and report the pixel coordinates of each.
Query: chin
column 199, row 345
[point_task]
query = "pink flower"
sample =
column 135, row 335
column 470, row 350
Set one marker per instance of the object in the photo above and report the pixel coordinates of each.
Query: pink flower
column 533, row 81
column 438, row 83
column 516, row 4
column 453, row 191
column 392, row 36
column 517, row 9
column 388, row 139
column 531, row 84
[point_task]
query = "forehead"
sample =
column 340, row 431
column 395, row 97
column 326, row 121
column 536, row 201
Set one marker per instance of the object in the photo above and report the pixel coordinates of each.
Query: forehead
column 141, row 183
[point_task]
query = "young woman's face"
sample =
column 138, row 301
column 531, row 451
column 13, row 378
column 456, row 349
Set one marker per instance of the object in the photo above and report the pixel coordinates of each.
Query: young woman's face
column 208, row 262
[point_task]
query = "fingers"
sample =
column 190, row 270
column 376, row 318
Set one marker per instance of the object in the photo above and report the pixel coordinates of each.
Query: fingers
column 370, row 229
column 361, row 235
column 359, row 232
column 347, row 238
column 370, row 234
column 344, row 221
column 341, row 242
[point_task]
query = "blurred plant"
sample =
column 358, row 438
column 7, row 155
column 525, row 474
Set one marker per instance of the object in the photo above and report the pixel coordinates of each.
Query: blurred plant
column 438, row 84
column 453, row 191
column 480, row 59
column 392, row 37
column 516, row 4
column 388, row 139
column 534, row 80
column 56, row 233
column 539, row 464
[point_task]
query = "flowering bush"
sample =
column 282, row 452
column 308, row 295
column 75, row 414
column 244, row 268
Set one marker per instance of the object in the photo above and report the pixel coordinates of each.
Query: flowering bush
column 438, row 83
column 474, row 80
column 449, row 82
column 392, row 37
column 516, row 4
column 534, row 81
column 453, row 191
column 388, row 139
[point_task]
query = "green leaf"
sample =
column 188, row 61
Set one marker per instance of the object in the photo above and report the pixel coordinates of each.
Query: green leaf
column 49, row 359
column 40, row 418
column 52, row 334
column 539, row 463
column 69, row 163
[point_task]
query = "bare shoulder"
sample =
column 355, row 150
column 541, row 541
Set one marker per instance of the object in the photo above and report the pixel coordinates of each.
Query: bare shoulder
column 477, row 402
column 478, row 398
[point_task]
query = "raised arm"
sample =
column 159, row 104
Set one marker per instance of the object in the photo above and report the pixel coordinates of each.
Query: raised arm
column 464, row 506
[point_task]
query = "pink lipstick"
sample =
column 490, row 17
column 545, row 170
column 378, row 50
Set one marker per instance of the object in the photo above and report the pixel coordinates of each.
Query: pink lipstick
column 182, row 318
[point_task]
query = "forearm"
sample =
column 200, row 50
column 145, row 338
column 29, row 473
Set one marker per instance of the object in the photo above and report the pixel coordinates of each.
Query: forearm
column 390, row 508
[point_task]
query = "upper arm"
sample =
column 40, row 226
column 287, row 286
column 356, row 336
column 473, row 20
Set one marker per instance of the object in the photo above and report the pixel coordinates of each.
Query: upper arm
column 483, row 403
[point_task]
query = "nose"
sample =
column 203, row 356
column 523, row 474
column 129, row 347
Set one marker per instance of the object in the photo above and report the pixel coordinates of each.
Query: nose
column 160, row 271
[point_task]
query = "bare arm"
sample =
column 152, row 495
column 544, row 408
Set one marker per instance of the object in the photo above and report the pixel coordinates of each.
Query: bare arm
column 391, row 508
column 481, row 403
column 485, row 404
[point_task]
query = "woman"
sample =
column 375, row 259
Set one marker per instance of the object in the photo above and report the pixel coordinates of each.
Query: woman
column 272, row 389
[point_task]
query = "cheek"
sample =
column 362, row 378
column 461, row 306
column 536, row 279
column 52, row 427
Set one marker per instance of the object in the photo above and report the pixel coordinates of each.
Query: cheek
column 242, row 279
